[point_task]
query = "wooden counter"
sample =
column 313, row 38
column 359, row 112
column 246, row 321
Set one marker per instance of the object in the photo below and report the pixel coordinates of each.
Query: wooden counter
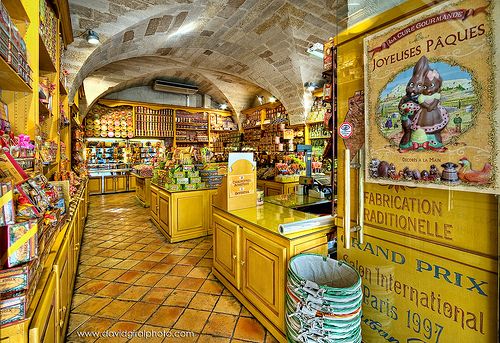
column 271, row 188
column 251, row 257
column 142, row 187
column 181, row 215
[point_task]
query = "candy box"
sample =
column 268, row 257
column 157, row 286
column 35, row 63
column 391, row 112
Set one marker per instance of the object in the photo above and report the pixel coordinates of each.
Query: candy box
column 18, row 278
column 182, row 181
column 7, row 210
column 201, row 185
column 193, row 173
column 189, row 187
column 13, row 308
column 188, row 167
column 194, row 179
column 18, row 243
column 174, row 187
column 179, row 174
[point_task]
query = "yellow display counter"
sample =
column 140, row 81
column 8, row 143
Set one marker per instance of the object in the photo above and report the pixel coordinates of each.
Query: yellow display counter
column 47, row 317
column 181, row 215
column 142, row 187
column 251, row 257
column 271, row 188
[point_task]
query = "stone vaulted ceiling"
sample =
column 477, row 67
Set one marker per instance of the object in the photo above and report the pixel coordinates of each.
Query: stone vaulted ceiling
column 234, row 48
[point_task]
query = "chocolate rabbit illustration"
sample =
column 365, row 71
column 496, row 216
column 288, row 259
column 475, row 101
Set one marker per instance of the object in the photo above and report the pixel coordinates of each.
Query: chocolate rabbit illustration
column 408, row 105
column 432, row 118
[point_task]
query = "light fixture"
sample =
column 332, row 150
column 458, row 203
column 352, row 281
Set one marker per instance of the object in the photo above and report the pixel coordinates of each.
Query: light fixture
column 310, row 86
column 92, row 37
column 272, row 99
column 223, row 106
column 316, row 50
column 260, row 98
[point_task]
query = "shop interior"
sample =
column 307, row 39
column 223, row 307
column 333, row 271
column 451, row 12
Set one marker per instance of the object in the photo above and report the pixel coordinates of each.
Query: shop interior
column 205, row 171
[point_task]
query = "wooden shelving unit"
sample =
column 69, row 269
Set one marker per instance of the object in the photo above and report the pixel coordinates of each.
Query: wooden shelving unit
column 10, row 79
column 46, row 63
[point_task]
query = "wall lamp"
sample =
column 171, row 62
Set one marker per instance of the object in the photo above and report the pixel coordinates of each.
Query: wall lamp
column 92, row 37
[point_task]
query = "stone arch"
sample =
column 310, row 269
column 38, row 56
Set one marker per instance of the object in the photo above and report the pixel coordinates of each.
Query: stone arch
column 218, row 86
column 266, row 48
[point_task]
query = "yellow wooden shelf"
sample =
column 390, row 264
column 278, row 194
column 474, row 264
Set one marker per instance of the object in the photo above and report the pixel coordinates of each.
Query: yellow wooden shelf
column 46, row 63
column 314, row 122
column 10, row 80
column 190, row 129
column 62, row 89
column 190, row 142
column 44, row 111
column 16, row 10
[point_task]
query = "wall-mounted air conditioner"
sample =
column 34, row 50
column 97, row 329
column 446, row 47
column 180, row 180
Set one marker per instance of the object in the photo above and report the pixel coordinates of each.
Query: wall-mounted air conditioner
column 174, row 87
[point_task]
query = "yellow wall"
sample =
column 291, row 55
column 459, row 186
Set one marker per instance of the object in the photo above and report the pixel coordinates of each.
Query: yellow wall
column 449, row 252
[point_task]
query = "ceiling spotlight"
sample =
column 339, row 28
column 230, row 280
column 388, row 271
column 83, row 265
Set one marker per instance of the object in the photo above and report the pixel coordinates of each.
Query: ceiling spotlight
column 316, row 50
column 272, row 99
column 92, row 37
column 223, row 106
column 310, row 86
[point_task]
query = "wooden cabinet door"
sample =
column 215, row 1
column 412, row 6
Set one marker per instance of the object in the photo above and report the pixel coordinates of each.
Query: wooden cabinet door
column 132, row 183
column 72, row 264
column 263, row 270
column 273, row 190
column 62, row 290
column 121, row 183
column 164, row 212
column 154, row 204
column 140, row 189
column 109, row 184
column 44, row 326
column 289, row 188
column 191, row 212
column 95, row 185
column 226, row 249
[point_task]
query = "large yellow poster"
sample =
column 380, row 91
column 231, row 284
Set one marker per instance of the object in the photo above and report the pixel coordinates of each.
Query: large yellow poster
column 430, row 87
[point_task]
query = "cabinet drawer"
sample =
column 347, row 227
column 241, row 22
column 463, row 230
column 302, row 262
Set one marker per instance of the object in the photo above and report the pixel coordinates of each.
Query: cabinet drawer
column 226, row 249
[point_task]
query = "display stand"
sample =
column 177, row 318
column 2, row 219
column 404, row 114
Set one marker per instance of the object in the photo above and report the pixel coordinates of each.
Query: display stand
column 238, row 189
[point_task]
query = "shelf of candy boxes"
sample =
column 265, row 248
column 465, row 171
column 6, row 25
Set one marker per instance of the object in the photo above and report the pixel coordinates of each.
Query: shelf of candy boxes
column 222, row 123
column 191, row 121
column 13, row 47
column 31, row 215
column 19, row 148
column 319, row 131
column 275, row 139
column 178, row 178
column 48, row 28
column 188, row 136
column 252, row 121
column 143, row 170
column 276, row 115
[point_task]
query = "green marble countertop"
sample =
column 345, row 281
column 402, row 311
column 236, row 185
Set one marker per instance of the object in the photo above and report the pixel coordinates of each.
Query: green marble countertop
column 294, row 200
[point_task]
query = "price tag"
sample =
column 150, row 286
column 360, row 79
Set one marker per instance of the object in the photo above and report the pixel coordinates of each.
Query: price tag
column 345, row 130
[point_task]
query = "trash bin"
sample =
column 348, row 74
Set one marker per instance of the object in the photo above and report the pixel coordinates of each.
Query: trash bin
column 323, row 300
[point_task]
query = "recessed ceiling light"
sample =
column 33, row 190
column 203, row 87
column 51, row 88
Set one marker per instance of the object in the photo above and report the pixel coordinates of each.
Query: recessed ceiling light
column 223, row 106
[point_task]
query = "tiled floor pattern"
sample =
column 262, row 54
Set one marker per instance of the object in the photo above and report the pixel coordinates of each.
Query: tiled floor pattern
column 130, row 279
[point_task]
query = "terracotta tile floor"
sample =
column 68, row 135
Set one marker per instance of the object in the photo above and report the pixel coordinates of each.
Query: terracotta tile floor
column 131, row 279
